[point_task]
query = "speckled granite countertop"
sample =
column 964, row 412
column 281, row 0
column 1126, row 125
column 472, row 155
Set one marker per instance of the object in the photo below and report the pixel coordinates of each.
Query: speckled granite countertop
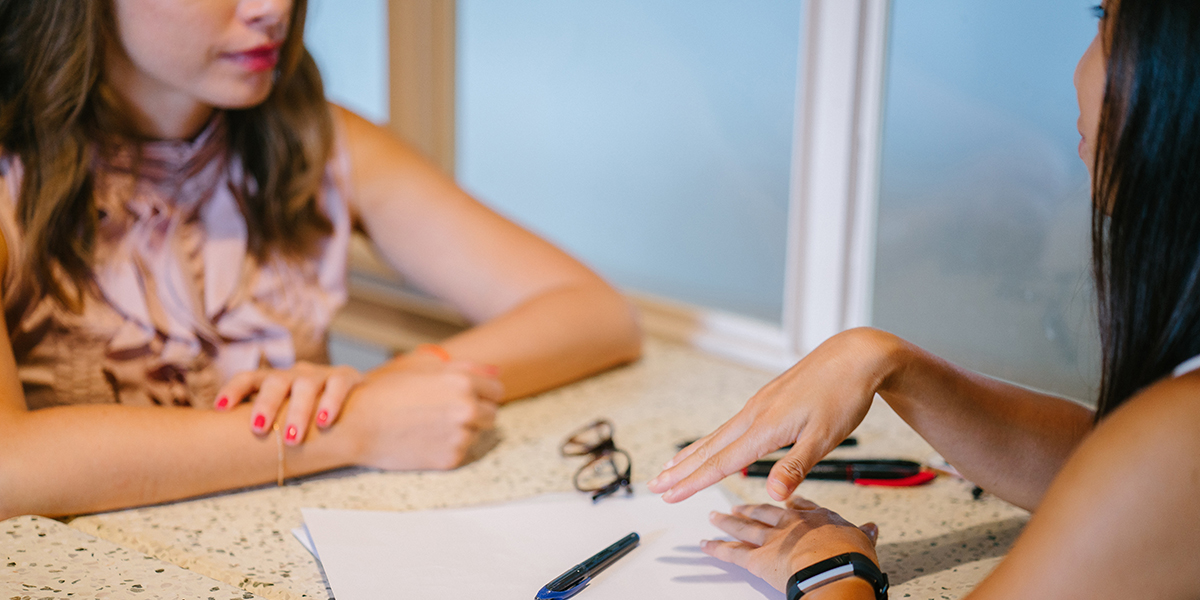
column 936, row 542
column 42, row 558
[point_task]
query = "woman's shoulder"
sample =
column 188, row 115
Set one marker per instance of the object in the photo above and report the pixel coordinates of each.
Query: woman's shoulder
column 359, row 147
column 1148, row 448
column 1155, row 431
column 355, row 134
column 1119, row 519
column 343, row 118
column 1172, row 405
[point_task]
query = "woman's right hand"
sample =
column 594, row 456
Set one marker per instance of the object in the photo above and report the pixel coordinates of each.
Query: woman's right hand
column 420, row 416
column 814, row 406
column 773, row 542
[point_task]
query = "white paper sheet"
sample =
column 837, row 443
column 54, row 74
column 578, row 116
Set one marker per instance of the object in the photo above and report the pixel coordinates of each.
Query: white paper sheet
column 302, row 536
column 510, row 551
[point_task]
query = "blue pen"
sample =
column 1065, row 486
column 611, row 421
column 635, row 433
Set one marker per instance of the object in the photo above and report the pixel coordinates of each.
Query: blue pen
column 570, row 583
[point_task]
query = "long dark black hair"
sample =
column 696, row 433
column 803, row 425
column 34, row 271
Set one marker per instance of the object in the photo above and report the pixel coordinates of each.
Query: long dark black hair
column 1146, row 194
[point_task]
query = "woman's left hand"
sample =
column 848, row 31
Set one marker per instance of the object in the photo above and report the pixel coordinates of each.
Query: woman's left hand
column 776, row 542
column 312, row 393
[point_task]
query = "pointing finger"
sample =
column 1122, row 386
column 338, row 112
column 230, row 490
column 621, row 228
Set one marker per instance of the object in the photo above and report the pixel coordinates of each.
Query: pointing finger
column 727, row 461
column 698, row 455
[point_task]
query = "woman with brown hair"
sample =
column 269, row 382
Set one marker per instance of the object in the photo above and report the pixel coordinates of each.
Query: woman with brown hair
column 176, row 200
column 1113, row 490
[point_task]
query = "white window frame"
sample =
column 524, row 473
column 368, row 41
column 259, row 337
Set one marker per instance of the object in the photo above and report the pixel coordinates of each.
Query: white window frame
column 835, row 170
column 833, row 198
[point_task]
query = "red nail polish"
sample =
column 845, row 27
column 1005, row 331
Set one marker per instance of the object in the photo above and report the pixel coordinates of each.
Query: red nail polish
column 291, row 433
column 260, row 421
column 222, row 402
column 322, row 417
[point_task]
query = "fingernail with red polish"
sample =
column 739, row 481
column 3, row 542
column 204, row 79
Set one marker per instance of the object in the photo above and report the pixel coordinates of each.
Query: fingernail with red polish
column 291, row 433
column 222, row 402
column 322, row 417
column 260, row 421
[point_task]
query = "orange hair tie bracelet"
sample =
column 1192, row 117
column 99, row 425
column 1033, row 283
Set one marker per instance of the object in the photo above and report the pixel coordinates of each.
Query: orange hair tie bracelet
column 435, row 350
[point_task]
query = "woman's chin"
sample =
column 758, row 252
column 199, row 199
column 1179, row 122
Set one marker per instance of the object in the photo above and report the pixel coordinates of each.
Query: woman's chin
column 241, row 97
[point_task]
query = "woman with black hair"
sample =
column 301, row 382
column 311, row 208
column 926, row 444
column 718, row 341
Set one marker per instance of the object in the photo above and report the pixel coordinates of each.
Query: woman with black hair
column 1113, row 491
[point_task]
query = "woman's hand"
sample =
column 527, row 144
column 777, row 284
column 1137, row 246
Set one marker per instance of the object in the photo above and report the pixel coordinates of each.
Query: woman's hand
column 305, row 388
column 814, row 406
column 419, row 416
column 774, row 542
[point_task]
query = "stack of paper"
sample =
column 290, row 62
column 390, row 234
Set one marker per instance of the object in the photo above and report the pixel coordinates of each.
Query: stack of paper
column 510, row 551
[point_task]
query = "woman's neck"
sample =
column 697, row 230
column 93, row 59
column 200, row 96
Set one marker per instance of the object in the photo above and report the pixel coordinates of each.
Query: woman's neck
column 153, row 111
column 165, row 124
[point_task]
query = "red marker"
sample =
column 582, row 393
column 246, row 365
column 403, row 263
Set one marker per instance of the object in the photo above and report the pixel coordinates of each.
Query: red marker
column 881, row 472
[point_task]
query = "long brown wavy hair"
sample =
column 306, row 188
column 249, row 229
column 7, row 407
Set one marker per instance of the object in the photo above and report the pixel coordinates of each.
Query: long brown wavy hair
column 55, row 109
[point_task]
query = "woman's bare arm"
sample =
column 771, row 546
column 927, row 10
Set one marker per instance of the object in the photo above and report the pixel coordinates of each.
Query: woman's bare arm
column 542, row 317
column 1010, row 440
column 89, row 458
column 1120, row 521
column 93, row 457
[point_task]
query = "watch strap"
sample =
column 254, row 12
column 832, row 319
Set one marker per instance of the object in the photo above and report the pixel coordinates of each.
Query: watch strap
column 850, row 564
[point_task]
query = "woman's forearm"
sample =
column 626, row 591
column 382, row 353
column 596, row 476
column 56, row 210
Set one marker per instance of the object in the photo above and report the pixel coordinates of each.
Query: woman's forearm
column 89, row 458
column 556, row 337
column 1010, row 440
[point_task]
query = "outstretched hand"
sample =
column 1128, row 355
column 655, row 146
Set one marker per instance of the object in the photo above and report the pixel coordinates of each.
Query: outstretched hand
column 774, row 542
column 813, row 406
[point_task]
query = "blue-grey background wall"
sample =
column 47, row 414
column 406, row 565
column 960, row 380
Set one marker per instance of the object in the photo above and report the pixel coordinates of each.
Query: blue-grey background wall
column 651, row 138
column 348, row 39
column 984, row 207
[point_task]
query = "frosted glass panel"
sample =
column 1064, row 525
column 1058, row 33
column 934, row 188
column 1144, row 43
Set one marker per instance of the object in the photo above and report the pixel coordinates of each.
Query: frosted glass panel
column 348, row 39
column 652, row 138
column 984, row 211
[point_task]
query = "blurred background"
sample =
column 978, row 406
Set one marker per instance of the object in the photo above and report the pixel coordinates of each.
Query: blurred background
column 657, row 140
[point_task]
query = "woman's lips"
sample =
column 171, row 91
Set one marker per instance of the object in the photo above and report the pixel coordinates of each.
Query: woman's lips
column 262, row 58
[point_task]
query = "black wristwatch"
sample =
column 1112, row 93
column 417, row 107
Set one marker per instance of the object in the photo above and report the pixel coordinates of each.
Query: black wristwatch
column 850, row 564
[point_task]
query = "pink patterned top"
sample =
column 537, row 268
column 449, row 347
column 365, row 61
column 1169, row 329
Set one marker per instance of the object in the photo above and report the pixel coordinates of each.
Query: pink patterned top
column 178, row 305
